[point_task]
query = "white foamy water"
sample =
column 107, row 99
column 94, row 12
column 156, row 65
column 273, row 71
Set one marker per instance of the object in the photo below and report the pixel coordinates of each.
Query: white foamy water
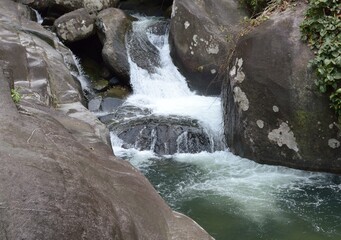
column 255, row 193
column 38, row 16
column 166, row 92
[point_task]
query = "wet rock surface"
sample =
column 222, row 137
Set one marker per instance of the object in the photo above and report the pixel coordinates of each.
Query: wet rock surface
column 201, row 37
column 112, row 25
column 140, row 129
column 75, row 25
column 273, row 112
column 59, row 178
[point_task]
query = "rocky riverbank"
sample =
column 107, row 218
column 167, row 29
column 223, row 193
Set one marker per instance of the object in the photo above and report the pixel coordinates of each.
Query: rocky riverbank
column 59, row 178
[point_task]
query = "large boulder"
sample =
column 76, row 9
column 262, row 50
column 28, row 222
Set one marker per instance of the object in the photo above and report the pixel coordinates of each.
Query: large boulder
column 75, row 25
column 113, row 25
column 71, row 5
column 59, row 178
column 140, row 129
column 273, row 112
column 33, row 57
column 201, row 37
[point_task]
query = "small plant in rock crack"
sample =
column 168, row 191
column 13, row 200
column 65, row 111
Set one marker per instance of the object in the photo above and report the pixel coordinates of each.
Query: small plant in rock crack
column 16, row 96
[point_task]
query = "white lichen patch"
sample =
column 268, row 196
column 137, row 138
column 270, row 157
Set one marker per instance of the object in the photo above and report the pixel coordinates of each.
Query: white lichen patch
column 260, row 123
column 284, row 136
column 186, row 24
column 236, row 73
column 195, row 40
column 213, row 71
column 333, row 143
column 241, row 99
column 213, row 48
column 174, row 10
column 275, row 109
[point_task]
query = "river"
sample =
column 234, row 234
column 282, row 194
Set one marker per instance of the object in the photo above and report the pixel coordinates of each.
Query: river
column 230, row 197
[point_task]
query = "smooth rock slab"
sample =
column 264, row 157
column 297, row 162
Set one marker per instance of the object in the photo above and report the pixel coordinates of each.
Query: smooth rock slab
column 273, row 112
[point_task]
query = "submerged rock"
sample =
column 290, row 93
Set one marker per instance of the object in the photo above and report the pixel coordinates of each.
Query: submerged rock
column 273, row 112
column 139, row 129
column 142, row 51
column 201, row 37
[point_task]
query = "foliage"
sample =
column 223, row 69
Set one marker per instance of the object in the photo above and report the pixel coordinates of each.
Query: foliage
column 16, row 97
column 321, row 29
column 255, row 6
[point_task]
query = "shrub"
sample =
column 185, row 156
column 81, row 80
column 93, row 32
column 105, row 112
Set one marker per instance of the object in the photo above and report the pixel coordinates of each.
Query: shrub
column 321, row 29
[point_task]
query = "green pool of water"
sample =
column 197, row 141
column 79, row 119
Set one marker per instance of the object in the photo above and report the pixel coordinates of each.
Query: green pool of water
column 234, row 198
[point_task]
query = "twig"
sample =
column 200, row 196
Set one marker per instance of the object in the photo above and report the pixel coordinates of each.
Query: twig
column 28, row 140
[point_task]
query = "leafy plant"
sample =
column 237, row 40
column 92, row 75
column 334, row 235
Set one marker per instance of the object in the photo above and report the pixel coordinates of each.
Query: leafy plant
column 255, row 6
column 16, row 97
column 321, row 29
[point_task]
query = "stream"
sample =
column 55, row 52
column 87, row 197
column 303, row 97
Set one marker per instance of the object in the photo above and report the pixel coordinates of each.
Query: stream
column 230, row 197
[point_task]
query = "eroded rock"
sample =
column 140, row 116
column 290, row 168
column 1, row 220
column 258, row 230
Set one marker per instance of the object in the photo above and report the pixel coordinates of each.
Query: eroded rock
column 201, row 37
column 112, row 25
column 285, row 120
column 59, row 178
column 74, row 26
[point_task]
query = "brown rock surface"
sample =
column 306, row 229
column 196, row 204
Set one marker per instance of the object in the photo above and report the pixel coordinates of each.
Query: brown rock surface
column 58, row 177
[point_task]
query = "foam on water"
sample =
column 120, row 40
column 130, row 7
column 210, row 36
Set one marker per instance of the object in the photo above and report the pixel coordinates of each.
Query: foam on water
column 166, row 92
column 253, row 191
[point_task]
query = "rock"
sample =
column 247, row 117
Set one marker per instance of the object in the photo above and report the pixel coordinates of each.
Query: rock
column 95, row 104
column 59, row 178
column 112, row 25
column 109, row 104
column 32, row 58
column 273, row 112
column 140, row 129
column 71, row 5
column 141, row 50
column 201, row 37
column 146, row 7
column 75, row 25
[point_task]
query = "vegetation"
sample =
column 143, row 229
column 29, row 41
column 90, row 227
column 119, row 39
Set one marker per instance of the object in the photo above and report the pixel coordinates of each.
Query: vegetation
column 321, row 29
column 16, row 97
column 255, row 6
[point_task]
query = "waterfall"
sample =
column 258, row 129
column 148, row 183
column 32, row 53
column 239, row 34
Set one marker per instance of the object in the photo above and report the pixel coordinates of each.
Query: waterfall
column 38, row 16
column 223, row 192
column 159, row 87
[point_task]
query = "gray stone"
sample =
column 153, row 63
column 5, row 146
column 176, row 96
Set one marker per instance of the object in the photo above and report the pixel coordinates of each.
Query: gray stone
column 112, row 25
column 71, row 5
column 286, row 121
column 110, row 104
column 75, row 25
column 201, row 38
column 162, row 135
column 59, row 177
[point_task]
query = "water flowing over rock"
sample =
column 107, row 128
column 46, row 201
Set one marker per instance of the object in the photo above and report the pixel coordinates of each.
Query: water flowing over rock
column 75, row 25
column 112, row 25
column 139, row 129
column 141, row 50
column 59, row 178
column 201, row 37
column 273, row 112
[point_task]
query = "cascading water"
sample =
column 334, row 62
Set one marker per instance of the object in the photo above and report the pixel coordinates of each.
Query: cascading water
column 231, row 197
